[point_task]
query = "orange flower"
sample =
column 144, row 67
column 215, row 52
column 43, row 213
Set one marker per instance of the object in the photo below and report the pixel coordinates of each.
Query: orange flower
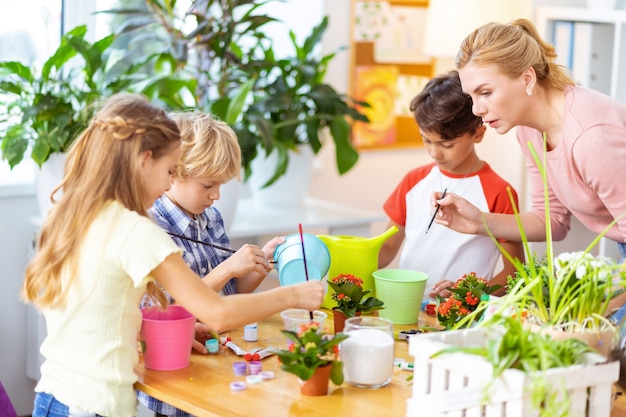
column 465, row 298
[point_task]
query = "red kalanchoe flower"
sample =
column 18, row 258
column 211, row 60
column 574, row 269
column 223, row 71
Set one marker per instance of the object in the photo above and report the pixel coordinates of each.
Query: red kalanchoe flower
column 350, row 296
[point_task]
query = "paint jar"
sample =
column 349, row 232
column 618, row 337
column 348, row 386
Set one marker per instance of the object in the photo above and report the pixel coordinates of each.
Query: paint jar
column 250, row 332
column 240, row 368
column 212, row 346
column 255, row 367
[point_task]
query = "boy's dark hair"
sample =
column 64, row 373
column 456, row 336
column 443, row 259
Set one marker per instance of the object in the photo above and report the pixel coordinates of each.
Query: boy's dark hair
column 443, row 108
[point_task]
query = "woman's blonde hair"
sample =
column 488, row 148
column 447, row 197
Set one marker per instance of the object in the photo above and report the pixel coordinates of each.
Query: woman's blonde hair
column 512, row 48
column 209, row 148
column 103, row 164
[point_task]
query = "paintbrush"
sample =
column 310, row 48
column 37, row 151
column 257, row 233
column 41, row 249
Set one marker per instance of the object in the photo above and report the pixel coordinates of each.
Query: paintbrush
column 202, row 242
column 435, row 213
column 213, row 245
column 306, row 271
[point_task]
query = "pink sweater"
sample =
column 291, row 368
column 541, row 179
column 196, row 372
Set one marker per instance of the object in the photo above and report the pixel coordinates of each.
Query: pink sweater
column 587, row 170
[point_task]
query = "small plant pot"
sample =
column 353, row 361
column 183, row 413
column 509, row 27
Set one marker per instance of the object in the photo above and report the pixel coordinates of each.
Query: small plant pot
column 339, row 320
column 318, row 384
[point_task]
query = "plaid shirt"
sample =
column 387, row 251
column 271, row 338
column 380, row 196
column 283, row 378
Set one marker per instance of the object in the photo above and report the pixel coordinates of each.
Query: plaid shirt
column 207, row 227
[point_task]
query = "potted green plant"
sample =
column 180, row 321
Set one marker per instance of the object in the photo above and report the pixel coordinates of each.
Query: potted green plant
column 350, row 298
column 567, row 295
column 312, row 351
column 285, row 101
column 46, row 109
column 508, row 366
column 293, row 106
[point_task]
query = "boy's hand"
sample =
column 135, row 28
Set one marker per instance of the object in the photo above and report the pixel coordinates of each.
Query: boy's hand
column 249, row 258
column 441, row 289
column 270, row 247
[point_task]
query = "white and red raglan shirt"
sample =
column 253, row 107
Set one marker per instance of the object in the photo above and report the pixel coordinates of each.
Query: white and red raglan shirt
column 443, row 253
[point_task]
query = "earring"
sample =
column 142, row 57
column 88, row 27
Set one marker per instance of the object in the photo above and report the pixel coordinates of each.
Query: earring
column 529, row 91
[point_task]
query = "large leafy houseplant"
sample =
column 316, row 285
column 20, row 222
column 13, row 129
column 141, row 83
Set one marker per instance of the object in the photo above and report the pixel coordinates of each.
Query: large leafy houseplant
column 45, row 109
column 273, row 104
column 293, row 106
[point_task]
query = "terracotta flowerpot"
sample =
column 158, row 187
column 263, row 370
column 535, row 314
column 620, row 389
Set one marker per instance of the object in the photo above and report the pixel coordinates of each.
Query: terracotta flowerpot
column 318, row 383
column 339, row 320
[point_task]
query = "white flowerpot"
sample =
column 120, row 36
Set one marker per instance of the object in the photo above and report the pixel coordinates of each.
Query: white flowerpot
column 227, row 204
column 48, row 177
column 290, row 189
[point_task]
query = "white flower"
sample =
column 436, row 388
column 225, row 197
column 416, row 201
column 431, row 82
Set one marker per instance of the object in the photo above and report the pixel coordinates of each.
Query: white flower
column 584, row 265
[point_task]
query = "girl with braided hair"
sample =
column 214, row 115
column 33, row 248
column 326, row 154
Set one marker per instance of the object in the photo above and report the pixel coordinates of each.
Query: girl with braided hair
column 99, row 252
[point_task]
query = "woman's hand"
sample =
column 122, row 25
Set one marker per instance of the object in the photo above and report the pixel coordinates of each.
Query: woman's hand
column 457, row 213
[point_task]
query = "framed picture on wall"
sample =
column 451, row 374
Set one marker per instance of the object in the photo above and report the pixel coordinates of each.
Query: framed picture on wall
column 388, row 68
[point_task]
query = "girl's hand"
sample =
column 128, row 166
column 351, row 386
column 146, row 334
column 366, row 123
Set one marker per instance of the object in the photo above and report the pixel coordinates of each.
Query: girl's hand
column 203, row 333
column 270, row 247
column 308, row 295
column 456, row 213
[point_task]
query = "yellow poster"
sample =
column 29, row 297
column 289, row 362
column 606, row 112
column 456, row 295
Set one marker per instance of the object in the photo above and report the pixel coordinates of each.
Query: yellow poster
column 376, row 85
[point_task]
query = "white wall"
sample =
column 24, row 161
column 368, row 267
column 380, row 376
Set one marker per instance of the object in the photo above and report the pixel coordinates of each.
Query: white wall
column 378, row 171
column 17, row 206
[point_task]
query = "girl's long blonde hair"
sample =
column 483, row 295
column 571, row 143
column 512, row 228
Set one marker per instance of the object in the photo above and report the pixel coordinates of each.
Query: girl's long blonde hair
column 103, row 164
column 512, row 48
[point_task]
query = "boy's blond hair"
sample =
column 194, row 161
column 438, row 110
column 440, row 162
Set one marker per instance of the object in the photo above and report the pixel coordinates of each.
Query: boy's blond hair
column 209, row 148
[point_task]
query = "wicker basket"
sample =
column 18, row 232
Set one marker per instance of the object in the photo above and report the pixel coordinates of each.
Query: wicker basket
column 460, row 384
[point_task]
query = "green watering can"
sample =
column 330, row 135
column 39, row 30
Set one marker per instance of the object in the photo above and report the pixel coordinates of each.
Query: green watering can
column 354, row 255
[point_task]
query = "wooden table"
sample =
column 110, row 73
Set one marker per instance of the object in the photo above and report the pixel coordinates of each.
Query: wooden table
column 203, row 388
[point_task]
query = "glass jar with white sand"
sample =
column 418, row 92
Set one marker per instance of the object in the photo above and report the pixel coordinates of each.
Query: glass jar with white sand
column 367, row 354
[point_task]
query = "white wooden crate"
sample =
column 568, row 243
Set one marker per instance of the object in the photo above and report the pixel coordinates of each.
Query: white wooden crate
column 457, row 384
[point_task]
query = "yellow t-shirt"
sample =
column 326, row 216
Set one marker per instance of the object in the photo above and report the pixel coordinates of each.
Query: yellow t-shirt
column 91, row 347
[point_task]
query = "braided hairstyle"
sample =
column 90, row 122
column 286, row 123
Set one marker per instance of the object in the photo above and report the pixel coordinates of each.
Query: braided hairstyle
column 103, row 164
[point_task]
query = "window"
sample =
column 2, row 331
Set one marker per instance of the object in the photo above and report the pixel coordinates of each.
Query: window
column 29, row 32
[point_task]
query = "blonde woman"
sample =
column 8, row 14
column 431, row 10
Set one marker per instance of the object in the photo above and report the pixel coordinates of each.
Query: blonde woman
column 514, row 81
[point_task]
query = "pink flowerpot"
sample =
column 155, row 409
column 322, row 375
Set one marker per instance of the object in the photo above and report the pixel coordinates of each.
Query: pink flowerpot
column 167, row 337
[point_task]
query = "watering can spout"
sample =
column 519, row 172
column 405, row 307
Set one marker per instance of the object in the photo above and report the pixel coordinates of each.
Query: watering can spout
column 354, row 255
column 381, row 238
column 358, row 243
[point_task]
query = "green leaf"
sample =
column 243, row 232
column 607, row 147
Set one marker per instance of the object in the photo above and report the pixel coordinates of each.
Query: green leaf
column 236, row 103
column 336, row 373
column 18, row 69
column 345, row 153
